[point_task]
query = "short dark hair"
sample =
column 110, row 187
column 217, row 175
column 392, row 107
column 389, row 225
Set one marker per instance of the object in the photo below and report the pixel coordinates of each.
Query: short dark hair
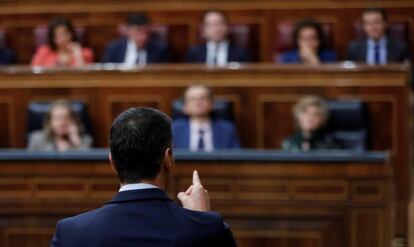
column 220, row 12
column 138, row 140
column 137, row 19
column 380, row 11
column 56, row 22
column 309, row 23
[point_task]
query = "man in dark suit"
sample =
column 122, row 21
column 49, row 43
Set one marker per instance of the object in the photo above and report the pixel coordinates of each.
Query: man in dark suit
column 201, row 132
column 377, row 47
column 142, row 214
column 217, row 49
column 139, row 47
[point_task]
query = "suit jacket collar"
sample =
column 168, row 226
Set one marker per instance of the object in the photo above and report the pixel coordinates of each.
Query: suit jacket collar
column 363, row 49
column 149, row 47
column 216, row 134
column 392, row 53
column 230, row 53
column 138, row 195
column 186, row 133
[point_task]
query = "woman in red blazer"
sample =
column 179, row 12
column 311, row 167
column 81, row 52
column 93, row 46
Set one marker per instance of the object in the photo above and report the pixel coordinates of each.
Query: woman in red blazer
column 62, row 49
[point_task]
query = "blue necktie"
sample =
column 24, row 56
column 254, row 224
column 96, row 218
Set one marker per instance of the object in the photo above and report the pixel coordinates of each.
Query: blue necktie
column 200, row 146
column 377, row 58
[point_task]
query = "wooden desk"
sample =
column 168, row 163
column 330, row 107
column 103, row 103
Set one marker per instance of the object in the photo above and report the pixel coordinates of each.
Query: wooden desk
column 268, row 198
column 263, row 95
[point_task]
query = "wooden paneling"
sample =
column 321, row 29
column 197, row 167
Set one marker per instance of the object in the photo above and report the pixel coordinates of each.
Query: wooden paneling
column 7, row 128
column 183, row 20
column 272, row 204
column 262, row 96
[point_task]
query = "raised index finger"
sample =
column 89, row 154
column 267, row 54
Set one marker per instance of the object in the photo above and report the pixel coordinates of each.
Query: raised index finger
column 196, row 178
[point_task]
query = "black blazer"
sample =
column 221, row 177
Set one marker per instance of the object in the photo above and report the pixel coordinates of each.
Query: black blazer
column 157, row 51
column 146, row 217
column 397, row 51
column 198, row 54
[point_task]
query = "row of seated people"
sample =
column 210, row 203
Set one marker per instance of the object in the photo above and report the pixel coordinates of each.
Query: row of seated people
column 197, row 127
column 139, row 46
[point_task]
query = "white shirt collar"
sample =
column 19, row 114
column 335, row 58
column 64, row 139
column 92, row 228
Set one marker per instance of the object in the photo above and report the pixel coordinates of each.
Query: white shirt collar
column 196, row 126
column 132, row 54
column 217, row 53
column 137, row 186
column 217, row 45
column 381, row 42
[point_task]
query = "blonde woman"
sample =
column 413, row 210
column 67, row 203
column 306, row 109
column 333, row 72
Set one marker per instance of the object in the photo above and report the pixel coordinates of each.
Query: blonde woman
column 311, row 114
column 62, row 131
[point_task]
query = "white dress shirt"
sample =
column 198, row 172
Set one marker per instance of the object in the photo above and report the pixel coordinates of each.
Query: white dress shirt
column 217, row 53
column 195, row 128
column 134, row 55
column 382, row 43
column 137, row 186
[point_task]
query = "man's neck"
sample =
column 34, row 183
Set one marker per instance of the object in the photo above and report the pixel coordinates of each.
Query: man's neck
column 156, row 182
column 377, row 40
column 201, row 119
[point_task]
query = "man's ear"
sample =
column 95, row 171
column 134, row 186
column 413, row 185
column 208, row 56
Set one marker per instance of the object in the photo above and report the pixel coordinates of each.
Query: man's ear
column 111, row 161
column 168, row 160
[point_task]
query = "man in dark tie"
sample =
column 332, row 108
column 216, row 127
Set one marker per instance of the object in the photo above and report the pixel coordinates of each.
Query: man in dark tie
column 217, row 49
column 377, row 48
column 139, row 47
column 200, row 131
column 142, row 214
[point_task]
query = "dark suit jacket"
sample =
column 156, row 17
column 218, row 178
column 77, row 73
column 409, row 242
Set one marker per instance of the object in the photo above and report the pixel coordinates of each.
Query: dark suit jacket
column 224, row 134
column 397, row 51
column 198, row 54
column 143, row 218
column 157, row 51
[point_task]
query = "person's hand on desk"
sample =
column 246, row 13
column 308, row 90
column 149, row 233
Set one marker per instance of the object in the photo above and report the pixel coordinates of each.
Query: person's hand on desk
column 195, row 197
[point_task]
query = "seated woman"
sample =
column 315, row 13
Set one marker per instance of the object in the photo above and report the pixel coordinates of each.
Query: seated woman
column 309, row 45
column 311, row 114
column 63, row 49
column 62, row 131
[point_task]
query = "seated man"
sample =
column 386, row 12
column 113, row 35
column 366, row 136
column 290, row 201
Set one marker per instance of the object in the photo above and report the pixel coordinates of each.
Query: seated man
column 201, row 132
column 142, row 214
column 217, row 49
column 377, row 47
column 139, row 47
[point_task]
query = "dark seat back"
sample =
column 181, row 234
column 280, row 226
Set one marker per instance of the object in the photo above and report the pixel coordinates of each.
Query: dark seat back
column 395, row 29
column 348, row 123
column 37, row 110
column 221, row 109
column 40, row 34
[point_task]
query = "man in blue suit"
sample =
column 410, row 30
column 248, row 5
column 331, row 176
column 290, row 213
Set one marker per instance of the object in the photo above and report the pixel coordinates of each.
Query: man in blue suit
column 142, row 214
column 217, row 49
column 377, row 47
column 139, row 47
column 201, row 132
